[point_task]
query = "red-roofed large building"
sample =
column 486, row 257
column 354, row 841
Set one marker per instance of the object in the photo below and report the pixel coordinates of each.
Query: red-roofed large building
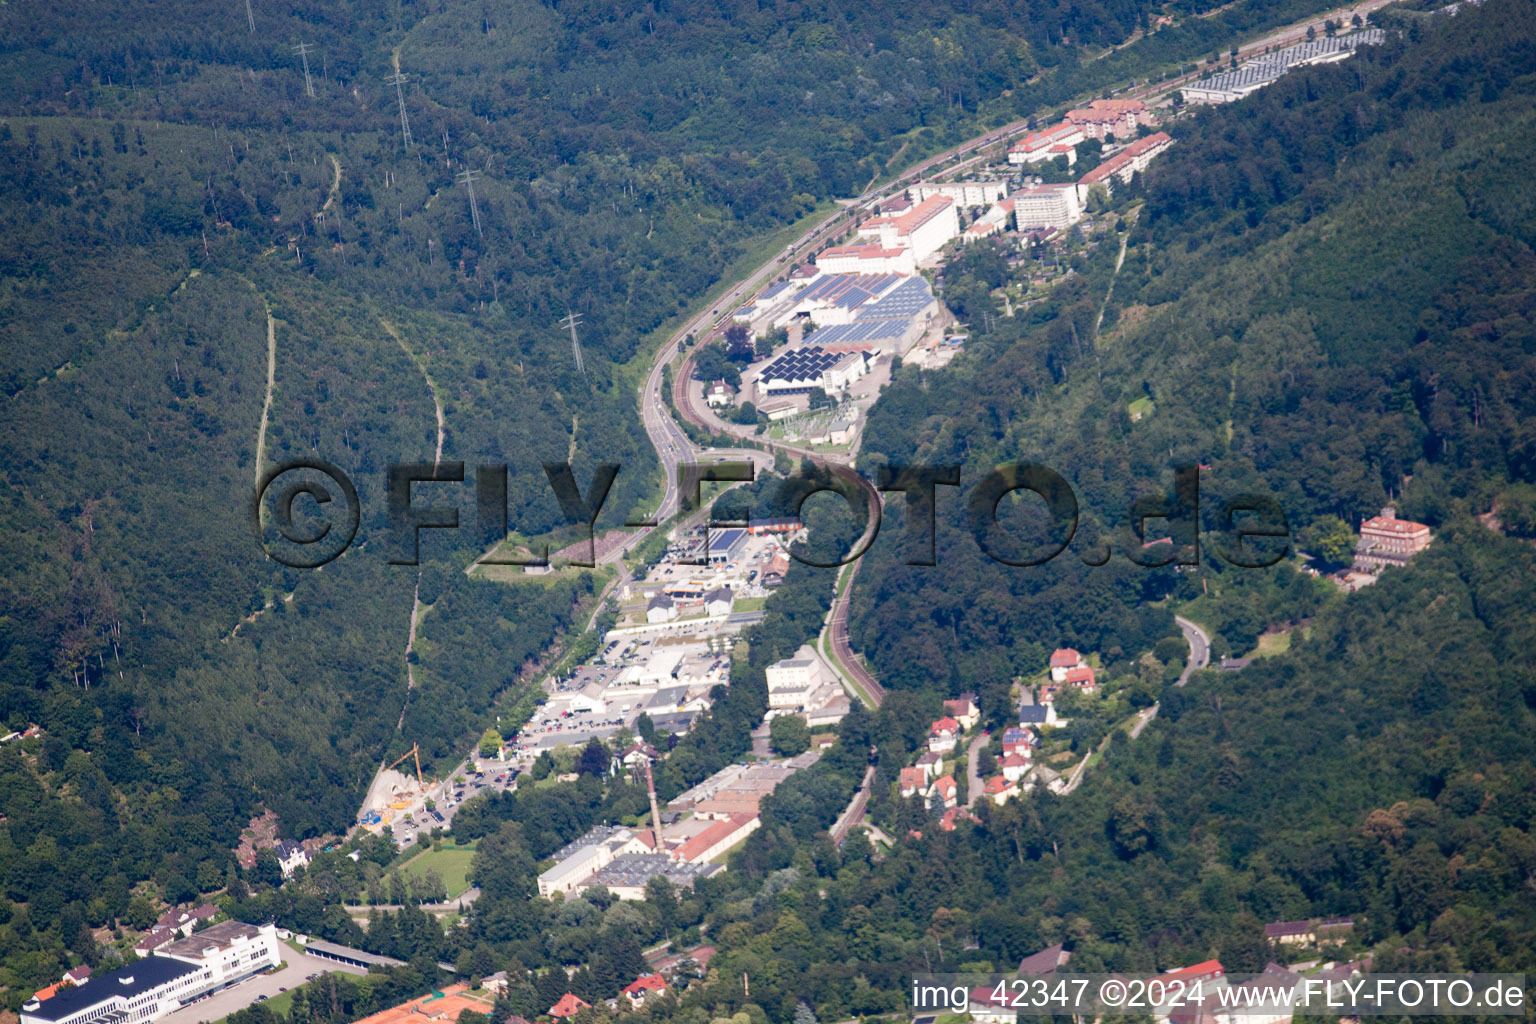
column 1387, row 540
column 1129, row 161
column 717, row 839
column 1119, row 118
column 923, row 229
column 1038, row 147
column 985, row 1008
column 867, row 258
column 569, row 1005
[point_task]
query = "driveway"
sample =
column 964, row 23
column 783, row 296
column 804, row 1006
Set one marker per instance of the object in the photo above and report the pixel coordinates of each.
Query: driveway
column 226, row 1001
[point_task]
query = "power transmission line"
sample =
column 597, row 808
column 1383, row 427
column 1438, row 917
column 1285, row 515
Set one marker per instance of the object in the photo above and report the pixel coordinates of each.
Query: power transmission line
column 571, row 320
column 405, row 122
column 302, row 49
column 468, row 178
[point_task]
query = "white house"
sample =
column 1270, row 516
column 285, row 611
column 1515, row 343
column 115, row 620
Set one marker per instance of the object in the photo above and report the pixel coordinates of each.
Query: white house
column 943, row 735
column 660, row 609
column 290, row 856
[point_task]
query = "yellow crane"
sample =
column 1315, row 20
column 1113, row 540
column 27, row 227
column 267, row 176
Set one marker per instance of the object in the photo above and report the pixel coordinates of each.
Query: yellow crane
column 414, row 752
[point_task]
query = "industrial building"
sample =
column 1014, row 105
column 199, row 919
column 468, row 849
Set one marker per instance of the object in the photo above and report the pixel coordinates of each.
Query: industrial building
column 802, row 370
column 1256, row 73
column 176, row 974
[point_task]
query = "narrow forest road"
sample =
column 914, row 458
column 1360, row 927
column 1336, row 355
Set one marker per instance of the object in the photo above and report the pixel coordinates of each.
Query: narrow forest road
column 416, row 609
column 266, row 406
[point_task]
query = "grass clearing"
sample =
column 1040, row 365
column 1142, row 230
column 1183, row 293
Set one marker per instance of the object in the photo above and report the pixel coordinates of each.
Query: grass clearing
column 451, row 861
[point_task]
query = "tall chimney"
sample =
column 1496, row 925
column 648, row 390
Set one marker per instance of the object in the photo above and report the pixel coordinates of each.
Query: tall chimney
column 650, row 785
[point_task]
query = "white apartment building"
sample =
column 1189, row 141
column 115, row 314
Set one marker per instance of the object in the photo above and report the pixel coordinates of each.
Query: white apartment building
column 1047, row 206
column 965, row 193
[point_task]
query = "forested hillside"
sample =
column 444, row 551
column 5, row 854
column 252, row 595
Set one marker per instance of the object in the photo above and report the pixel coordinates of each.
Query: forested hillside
column 1325, row 297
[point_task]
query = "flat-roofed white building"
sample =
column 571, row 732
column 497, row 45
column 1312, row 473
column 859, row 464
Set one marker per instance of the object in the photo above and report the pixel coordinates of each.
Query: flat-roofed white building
column 1047, row 206
column 792, row 681
column 966, row 193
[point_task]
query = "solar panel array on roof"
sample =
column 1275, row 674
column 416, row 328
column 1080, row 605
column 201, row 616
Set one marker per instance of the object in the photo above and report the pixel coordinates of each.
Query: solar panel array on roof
column 861, row 330
column 1267, row 67
column 903, row 302
column 801, row 363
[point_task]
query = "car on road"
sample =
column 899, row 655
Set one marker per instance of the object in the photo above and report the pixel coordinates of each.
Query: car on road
column 261, row 997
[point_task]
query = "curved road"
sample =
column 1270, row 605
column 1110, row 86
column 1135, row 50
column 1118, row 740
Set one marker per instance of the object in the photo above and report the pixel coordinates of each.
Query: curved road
column 1199, row 657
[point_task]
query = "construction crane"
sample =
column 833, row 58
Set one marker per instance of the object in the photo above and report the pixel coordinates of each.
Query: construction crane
column 415, row 752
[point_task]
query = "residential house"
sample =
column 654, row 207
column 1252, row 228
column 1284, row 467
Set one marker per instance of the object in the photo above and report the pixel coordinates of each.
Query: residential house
column 153, row 940
column 945, row 791
column 985, row 1007
column 1014, row 739
column 644, row 987
column 913, row 781
column 77, row 975
column 718, row 601
column 569, row 1006
column 720, row 393
column 943, row 735
column 290, row 856
column 931, row 765
column 963, row 709
column 1264, row 999
column 1000, row 789
column 1015, row 766
column 1045, row 962
column 1063, row 660
column 1082, row 677
column 1290, row 933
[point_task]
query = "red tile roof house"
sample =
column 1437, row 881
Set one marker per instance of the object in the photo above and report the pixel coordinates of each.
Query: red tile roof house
column 644, row 987
column 912, row 781
column 1064, row 659
column 947, row 791
column 963, row 710
column 1081, row 677
column 942, row 735
column 568, row 1006
column 984, row 1008
column 1000, row 789
column 1015, row 766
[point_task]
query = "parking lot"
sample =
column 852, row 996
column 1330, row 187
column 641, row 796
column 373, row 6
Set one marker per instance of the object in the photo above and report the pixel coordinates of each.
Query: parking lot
column 297, row 968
